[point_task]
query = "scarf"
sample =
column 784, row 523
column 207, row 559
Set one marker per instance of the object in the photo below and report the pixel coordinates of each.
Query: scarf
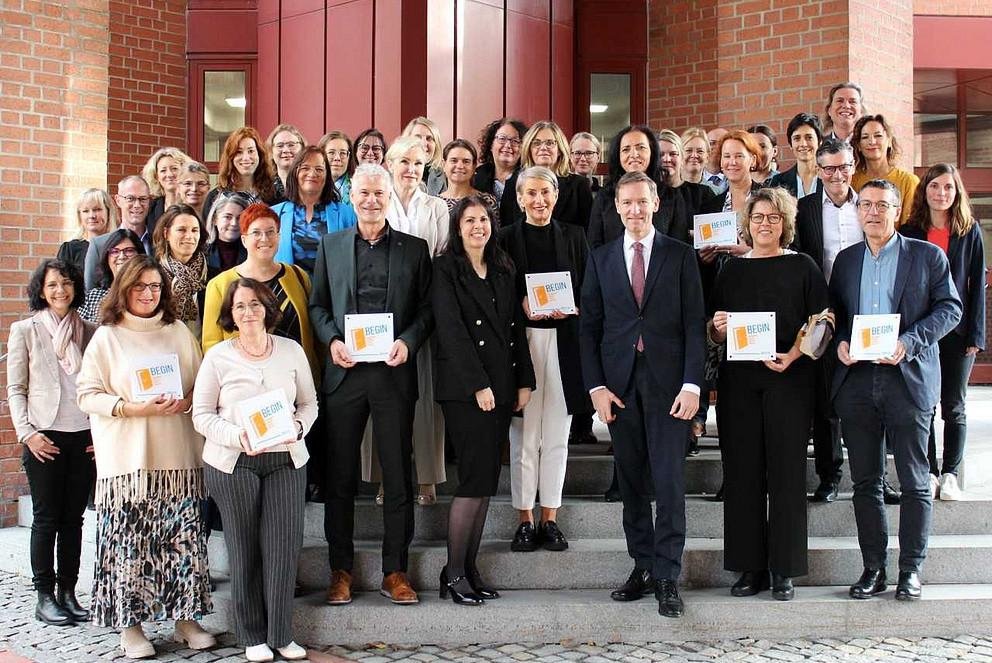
column 187, row 280
column 67, row 337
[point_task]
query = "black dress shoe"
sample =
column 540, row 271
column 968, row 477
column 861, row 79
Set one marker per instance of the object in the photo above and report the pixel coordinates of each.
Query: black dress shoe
column 909, row 587
column 525, row 540
column 889, row 494
column 825, row 492
column 458, row 588
column 551, row 538
column 612, row 495
column 692, row 448
column 479, row 586
column 669, row 602
column 639, row 584
column 782, row 589
column 871, row 582
column 582, row 438
column 50, row 612
column 750, row 583
column 66, row 598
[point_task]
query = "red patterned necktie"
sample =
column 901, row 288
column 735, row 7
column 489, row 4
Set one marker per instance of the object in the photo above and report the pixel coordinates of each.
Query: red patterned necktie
column 637, row 282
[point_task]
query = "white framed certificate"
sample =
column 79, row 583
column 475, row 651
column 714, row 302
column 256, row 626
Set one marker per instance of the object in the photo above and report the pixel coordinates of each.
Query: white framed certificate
column 550, row 291
column 153, row 376
column 751, row 336
column 368, row 336
column 714, row 229
column 874, row 336
column 268, row 420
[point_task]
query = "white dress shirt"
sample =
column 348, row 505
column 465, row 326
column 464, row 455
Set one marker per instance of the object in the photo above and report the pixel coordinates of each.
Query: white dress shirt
column 840, row 229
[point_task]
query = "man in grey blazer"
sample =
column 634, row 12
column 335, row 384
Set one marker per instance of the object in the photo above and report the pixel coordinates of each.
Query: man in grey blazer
column 133, row 199
column 371, row 268
column 891, row 398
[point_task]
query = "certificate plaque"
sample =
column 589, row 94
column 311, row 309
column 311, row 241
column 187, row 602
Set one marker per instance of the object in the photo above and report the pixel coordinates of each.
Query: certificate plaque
column 751, row 336
column 154, row 376
column 714, row 229
column 369, row 336
column 874, row 336
column 550, row 291
column 268, row 420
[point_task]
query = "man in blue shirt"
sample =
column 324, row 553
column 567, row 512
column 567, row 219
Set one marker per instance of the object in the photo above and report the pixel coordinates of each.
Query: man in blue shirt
column 892, row 397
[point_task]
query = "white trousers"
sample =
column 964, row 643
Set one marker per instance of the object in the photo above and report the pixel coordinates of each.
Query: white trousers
column 539, row 441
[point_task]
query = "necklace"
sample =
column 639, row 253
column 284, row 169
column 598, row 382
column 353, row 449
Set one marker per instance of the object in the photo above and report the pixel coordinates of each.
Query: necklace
column 265, row 350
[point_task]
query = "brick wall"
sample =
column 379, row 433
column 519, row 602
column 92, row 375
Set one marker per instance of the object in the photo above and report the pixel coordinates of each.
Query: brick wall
column 148, row 88
column 53, row 144
column 952, row 7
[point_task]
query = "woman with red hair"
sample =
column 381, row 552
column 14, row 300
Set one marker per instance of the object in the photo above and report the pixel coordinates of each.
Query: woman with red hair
column 245, row 168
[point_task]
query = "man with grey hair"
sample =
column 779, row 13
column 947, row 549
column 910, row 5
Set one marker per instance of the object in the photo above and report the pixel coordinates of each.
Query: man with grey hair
column 134, row 200
column 371, row 268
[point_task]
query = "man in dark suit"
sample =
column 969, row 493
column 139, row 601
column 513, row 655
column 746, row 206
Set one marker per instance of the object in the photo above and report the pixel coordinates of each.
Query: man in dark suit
column 893, row 398
column 826, row 223
column 643, row 350
column 371, row 268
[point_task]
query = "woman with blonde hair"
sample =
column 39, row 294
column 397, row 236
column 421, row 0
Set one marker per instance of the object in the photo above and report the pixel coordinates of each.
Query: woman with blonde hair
column 671, row 152
column 194, row 185
column 95, row 216
column 430, row 137
column 161, row 171
column 284, row 143
column 545, row 145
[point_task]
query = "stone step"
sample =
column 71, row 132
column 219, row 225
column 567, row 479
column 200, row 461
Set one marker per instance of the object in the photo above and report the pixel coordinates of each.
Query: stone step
column 577, row 616
column 591, row 474
column 591, row 517
column 603, row 563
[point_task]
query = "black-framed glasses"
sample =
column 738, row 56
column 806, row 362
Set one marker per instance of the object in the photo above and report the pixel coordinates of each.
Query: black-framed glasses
column 844, row 169
column 141, row 287
column 758, row 218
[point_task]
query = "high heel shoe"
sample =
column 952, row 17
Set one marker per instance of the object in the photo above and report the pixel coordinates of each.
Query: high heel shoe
column 456, row 587
column 479, row 586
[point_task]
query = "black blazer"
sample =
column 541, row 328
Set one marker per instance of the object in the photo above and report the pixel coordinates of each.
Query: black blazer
column 571, row 252
column 697, row 197
column 671, row 319
column 716, row 203
column 573, row 206
column 74, row 251
column 480, row 342
column 672, row 218
column 809, row 228
column 789, row 179
column 408, row 298
column 966, row 256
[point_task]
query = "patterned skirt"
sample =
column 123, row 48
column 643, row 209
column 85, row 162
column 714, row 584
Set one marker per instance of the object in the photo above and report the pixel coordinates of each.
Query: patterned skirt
column 151, row 560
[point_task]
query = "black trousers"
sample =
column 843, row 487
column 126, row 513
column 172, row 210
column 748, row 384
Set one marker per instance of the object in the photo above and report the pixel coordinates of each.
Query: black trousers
column 60, row 489
column 646, row 436
column 827, row 452
column 874, row 407
column 764, row 424
column 955, row 368
column 369, row 389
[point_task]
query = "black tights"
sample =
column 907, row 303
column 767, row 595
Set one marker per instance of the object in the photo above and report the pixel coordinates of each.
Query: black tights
column 466, row 520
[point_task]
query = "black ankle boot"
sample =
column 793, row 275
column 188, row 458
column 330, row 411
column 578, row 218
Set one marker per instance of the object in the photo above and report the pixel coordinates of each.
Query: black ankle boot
column 459, row 588
column 66, row 598
column 50, row 612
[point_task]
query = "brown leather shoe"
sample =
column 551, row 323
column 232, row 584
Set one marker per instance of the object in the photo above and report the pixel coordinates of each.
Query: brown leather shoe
column 339, row 593
column 396, row 587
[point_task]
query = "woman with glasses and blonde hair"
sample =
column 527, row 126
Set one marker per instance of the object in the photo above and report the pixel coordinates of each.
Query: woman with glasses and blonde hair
column 161, row 172
column 766, row 405
column 545, row 145
column 876, row 152
column 941, row 214
column 95, row 216
column 284, row 143
column 194, row 188
column 430, row 138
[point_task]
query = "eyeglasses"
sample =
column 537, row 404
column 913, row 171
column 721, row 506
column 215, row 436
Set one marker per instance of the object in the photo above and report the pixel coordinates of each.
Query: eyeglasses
column 843, row 169
column 507, row 140
column 585, row 154
column 241, row 309
column 319, row 170
column 550, row 142
column 758, row 218
column 130, row 200
column 263, row 234
column 365, row 149
column 141, row 287
column 287, row 146
column 128, row 252
column 337, row 154
column 881, row 206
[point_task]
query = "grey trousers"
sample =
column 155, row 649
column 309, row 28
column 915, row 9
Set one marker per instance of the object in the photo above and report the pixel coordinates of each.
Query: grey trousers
column 261, row 504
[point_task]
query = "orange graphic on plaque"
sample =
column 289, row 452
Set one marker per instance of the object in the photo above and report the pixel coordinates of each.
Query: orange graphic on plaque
column 740, row 337
column 258, row 421
column 541, row 295
column 145, row 379
column 706, row 230
column 358, row 338
column 866, row 337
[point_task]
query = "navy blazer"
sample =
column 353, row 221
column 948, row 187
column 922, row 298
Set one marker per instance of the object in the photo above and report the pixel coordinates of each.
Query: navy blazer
column 671, row 320
column 925, row 298
column 408, row 298
column 966, row 256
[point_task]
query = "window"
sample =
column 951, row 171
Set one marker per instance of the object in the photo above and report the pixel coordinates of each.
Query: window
column 220, row 101
column 609, row 105
column 946, row 104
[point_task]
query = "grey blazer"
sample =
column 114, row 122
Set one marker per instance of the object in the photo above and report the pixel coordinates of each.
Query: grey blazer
column 33, row 386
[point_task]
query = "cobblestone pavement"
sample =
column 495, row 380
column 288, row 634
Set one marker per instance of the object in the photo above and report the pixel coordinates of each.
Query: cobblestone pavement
column 23, row 636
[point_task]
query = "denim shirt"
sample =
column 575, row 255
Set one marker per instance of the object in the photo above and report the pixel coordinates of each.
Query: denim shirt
column 878, row 278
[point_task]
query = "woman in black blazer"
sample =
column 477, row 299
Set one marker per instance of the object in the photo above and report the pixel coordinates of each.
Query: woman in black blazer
column 941, row 214
column 482, row 373
column 539, row 442
column 804, row 134
column 545, row 145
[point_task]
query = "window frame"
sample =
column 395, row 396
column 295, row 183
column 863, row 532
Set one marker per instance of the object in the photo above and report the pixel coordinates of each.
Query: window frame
column 198, row 66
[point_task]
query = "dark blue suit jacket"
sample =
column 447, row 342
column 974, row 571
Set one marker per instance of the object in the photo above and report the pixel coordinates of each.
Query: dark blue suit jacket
column 671, row 320
column 925, row 298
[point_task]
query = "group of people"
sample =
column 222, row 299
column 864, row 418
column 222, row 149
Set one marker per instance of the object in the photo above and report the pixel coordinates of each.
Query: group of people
column 178, row 304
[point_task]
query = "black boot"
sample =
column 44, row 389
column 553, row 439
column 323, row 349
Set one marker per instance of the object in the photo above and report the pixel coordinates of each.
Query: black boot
column 50, row 612
column 66, row 598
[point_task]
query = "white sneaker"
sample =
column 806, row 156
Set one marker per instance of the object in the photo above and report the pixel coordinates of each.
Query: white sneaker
column 949, row 489
column 292, row 652
column 259, row 653
column 934, row 486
